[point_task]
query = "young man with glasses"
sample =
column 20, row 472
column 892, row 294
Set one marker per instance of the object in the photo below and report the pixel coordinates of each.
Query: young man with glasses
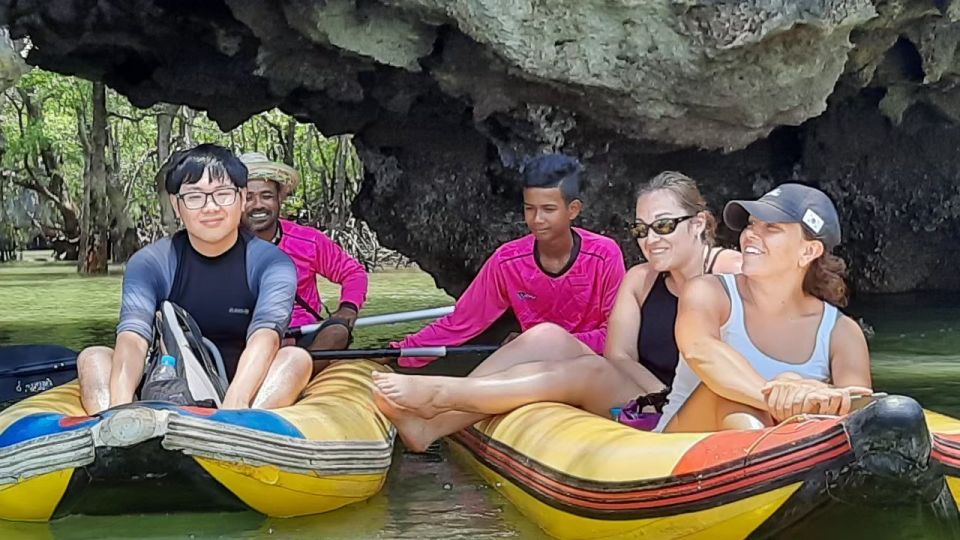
column 557, row 274
column 238, row 288
column 313, row 253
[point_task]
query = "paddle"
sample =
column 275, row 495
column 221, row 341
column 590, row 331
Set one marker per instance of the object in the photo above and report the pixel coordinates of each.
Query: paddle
column 438, row 352
column 25, row 360
column 56, row 365
column 386, row 318
column 29, row 369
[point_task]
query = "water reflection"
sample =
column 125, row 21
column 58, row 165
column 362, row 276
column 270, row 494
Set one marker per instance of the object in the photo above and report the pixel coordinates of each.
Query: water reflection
column 423, row 498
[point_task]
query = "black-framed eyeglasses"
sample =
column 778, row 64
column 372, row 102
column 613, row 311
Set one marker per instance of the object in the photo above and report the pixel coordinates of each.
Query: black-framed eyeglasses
column 196, row 200
column 662, row 226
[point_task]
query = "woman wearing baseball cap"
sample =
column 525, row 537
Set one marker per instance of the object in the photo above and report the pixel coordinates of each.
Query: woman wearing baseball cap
column 761, row 346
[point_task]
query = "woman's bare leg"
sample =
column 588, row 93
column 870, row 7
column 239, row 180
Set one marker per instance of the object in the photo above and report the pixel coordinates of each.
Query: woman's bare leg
column 543, row 342
column 418, row 433
column 589, row 382
column 547, row 350
column 705, row 411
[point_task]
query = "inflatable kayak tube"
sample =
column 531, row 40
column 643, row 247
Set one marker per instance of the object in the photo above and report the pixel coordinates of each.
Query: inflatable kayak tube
column 330, row 449
column 946, row 451
column 580, row 476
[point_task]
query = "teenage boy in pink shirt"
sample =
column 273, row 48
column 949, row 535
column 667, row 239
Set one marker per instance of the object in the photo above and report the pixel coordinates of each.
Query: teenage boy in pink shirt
column 557, row 274
column 313, row 253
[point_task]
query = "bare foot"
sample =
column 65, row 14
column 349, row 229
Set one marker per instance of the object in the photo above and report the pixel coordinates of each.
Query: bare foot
column 412, row 428
column 415, row 394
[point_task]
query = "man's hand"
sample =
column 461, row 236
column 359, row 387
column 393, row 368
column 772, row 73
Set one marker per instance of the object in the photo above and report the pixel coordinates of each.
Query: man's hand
column 347, row 313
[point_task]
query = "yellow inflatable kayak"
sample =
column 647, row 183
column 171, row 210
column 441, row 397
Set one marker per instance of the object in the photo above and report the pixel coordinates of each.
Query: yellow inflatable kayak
column 330, row 449
column 946, row 449
column 579, row 476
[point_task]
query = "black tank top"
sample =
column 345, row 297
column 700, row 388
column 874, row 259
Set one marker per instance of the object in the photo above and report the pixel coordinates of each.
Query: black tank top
column 215, row 292
column 657, row 343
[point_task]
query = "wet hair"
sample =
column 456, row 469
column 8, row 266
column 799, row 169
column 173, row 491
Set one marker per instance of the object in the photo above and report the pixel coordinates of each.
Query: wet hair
column 826, row 277
column 554, row 171
column 188, row 166
column 684, row 189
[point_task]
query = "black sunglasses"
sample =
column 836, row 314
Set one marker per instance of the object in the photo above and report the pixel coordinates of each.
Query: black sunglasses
column 662, row 226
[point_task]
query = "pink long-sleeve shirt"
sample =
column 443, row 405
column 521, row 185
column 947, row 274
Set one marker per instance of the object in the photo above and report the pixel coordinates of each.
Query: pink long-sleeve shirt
column 314, row 253
column 579, row 299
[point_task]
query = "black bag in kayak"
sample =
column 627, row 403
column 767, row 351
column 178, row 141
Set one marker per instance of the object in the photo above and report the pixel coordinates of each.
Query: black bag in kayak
column 26, row 370
column 200, row 379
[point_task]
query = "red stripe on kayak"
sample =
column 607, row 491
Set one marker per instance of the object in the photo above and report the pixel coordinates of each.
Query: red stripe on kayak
column 659, row 500
column 199, row 411
column 696, row 488
column 69, row 421
column 946, row 449
column 729, row 446
column 950, row 441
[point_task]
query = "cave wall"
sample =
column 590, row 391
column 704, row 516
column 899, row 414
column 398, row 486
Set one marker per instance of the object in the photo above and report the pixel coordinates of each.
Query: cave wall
column 448, row 98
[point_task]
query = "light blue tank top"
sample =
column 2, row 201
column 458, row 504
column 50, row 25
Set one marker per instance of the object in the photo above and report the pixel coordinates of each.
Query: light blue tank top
column 734, row 333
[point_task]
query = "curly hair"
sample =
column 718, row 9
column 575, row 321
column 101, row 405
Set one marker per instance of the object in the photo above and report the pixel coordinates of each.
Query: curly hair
column 826, row 278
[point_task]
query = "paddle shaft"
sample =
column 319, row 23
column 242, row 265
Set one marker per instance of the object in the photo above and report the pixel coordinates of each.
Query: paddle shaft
column 387, row 318
column 56, row 365
column 437, row 352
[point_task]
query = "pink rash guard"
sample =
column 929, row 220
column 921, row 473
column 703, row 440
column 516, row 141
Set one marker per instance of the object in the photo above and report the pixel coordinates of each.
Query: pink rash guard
column 579, row 299
column 315, row 253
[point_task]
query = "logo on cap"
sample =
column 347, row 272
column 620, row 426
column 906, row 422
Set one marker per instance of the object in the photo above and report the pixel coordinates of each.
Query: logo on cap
column 813, row 220
column 774, row 193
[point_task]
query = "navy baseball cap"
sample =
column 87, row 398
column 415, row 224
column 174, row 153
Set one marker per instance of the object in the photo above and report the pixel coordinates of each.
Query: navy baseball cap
column 790, row 203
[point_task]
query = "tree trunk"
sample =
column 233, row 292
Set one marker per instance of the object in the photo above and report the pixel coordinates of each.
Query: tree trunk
column 123, row 231
column 46, row 166
column 186, row 127
column 290, row 141
column 168, row 112
column 95, row 218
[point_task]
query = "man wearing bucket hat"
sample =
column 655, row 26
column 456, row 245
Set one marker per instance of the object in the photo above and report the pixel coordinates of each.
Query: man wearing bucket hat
column 762, row 346
column 313, row 253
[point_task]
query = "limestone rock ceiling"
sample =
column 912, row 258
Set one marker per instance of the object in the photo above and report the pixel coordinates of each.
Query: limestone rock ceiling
column 448, row 97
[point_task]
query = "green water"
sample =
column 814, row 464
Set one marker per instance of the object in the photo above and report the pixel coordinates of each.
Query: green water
column 916, row 351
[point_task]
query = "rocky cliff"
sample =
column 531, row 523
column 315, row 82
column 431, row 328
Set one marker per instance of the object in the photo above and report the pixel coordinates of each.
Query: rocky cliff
column 448, row 97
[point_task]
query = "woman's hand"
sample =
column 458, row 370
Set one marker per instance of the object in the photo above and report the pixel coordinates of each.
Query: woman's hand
column 788, row 396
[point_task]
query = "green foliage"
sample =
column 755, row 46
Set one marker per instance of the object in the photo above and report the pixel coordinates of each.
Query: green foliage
column 61, row 117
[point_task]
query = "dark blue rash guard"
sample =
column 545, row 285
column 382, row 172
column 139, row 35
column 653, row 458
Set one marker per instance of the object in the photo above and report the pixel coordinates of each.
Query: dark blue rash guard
column 248, row 287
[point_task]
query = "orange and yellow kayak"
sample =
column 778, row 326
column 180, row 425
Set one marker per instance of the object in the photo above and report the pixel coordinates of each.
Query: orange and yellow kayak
column 579, row 476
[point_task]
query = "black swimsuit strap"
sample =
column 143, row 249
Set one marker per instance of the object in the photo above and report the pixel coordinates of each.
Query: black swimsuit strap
column 712, row 257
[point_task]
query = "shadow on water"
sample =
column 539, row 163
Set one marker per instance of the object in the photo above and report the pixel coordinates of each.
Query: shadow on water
column 840, row 521
column 424, row 497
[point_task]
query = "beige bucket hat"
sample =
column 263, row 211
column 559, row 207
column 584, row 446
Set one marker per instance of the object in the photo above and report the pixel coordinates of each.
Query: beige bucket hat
column 261, row 168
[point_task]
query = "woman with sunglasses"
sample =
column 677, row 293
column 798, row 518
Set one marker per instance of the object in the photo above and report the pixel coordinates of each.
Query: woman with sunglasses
column 761, row 346
column 675, row 233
